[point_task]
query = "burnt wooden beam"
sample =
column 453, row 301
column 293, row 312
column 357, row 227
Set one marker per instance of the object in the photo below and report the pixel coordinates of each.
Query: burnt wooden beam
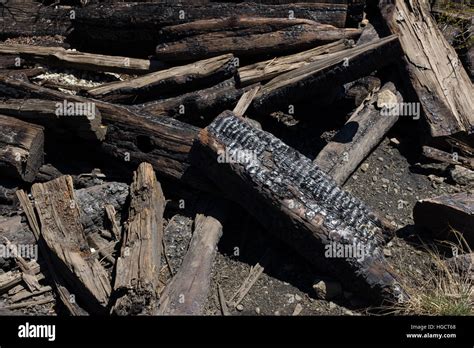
column 81, row 119
column 198, row 106
column 252, row 25
column 61, row 229
column 268, row 69
column 181, row 78
column 130, row 21
column 187, row 292
column 133, row 135
column 447, row 217
column 58, row 56
column 244, row 43
column 436, row 73
column 329, row 72
column 31, row 18
column 297, row 202
column 360, row 135
column 138, row 267
column 21, row 148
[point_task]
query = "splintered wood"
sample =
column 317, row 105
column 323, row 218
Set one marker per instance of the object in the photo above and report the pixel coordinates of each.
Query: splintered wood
column 436, row 73
column 59, row 215
column 138, row 267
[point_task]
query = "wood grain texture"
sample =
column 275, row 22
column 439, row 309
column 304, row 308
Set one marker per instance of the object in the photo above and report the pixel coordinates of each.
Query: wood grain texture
column 436, row 73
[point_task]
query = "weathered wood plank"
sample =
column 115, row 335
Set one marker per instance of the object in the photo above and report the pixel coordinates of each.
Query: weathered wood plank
column 181, row 78
column 21, row 148
column 58, row 56
column 138, row 267
column 81, row 119
column 59, row 215
column 266, row 70
column 437, row 76
column 187, row 292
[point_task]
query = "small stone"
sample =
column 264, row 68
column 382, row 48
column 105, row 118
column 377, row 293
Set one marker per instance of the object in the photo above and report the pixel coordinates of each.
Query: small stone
column 355, row 177
column 276, row 313
column 364, row 167
column 332, row 305
column 298, row 297
column 386, row 99
column 380, row 159
column 461, row 175
column 409, row 189
column 374, row 178
column 298, row 309
column 239, row 307
column 385, row 181
column 257, row 310
column 394, row 141
column 327, row 290
column 387, row 252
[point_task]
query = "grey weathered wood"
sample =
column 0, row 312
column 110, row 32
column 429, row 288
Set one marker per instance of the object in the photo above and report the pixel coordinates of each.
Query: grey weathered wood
column 187, row 292
column 156, row 84
column 59, row 215
column 58, row 56
column 298, row 203
column 66, row 298
column 245, row 101
column 138, row 267
column 358, row 137
column 268, row 69
column 436, row 73
column 21, row 148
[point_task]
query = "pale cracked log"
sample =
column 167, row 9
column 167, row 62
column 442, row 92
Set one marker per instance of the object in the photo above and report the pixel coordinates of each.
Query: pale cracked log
column 187, row 292
column 436, row 73
column 299, row 203
column 138, row 267
column 61, row 229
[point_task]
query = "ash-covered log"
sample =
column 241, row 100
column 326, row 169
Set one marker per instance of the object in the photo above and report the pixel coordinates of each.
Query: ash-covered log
column 299, row 203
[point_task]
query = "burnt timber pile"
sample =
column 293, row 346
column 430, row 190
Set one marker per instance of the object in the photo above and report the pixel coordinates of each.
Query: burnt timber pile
column 135, row 135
